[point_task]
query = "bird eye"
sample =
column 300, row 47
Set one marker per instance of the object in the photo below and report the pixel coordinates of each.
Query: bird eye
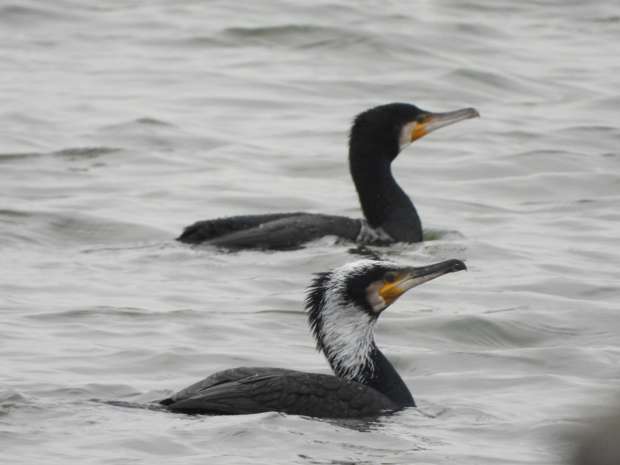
column 390, row 277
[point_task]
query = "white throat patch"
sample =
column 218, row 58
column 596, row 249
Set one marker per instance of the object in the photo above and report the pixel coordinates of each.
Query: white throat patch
column 405, row 135
column 347, row 332
column 374, row 298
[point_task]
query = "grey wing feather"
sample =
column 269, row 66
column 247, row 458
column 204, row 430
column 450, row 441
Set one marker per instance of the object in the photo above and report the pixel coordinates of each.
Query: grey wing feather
column 280, row 390
column 291, row 232
column 286, row 232
column 222, row 377
column 207, row 230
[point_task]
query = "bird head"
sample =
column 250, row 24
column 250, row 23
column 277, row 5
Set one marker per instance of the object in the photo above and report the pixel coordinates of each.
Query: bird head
column 344, row 304
column 387, row 129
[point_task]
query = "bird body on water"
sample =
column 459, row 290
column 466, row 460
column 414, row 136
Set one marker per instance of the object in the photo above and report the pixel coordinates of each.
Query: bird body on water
column 343, row 306
column 377, row 137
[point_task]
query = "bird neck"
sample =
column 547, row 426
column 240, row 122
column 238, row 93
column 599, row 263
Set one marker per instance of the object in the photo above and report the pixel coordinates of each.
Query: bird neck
column 345, row 334
column 384, row 203
column 375, row 370
column 385, row 379
column 352, row 354
column 346, row 338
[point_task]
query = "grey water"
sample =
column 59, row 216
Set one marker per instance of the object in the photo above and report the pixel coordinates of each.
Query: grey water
column 122, row 122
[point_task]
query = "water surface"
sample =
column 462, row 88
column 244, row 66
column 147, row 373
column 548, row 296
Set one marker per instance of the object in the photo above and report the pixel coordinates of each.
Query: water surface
column 122, row 122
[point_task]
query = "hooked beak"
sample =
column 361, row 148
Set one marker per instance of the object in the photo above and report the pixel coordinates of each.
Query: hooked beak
column 414, row 276
column 429, row 122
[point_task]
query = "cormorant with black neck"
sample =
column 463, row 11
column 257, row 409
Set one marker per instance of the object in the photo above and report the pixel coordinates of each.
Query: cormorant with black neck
column 377, row 137
column 343, row 306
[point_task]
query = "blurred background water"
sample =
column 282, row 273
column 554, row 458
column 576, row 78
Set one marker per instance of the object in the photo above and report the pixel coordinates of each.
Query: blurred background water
column 123, row 121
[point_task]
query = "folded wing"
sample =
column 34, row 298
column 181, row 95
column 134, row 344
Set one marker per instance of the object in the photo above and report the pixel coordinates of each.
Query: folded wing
column 255, row 390
column 276, row 232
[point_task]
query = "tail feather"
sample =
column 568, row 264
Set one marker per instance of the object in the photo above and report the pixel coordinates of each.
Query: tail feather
column 207, row 230
column 156, row 406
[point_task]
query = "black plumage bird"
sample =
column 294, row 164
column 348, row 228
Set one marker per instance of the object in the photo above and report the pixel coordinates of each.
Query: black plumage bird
column 377, row 137
column 343, row 307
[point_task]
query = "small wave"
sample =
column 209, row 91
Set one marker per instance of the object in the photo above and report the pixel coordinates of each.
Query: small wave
column 592, row 130
column 72, row 153
column 493, row 332
column 153, row 122
column 433, row 234
column 491, row 81
column 85, row 152
column 11, row 397
column 545, row 153
column 277, row 32
column 12, row 156
column 20, row 14
column 10, row 400
column 142, row 122
column 607, row 19
column 74, row 229
column 207, row 42
column 15, row 213
column 295, row 35
column 106, row 312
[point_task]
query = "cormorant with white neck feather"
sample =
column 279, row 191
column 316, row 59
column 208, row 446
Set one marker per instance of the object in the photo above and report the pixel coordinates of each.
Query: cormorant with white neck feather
column 343, row 306
column 377, row 137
